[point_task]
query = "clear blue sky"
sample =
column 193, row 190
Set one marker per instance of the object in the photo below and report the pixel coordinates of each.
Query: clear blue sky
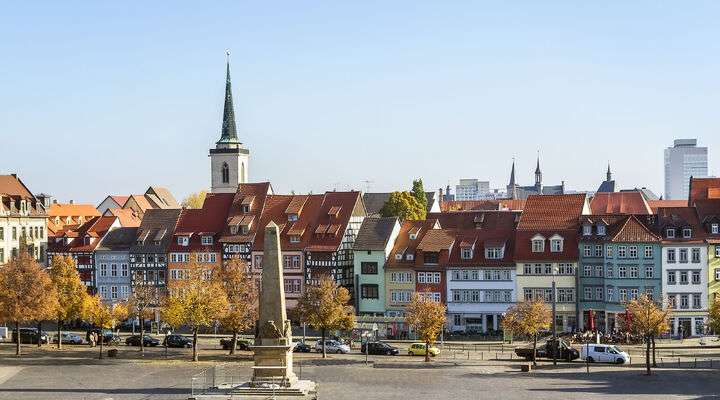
column 109, row 98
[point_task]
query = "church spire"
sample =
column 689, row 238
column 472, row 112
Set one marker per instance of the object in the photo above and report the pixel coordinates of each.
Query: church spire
column 609, row 174
column 229, row 131
column 512, row 173
column 538, row 173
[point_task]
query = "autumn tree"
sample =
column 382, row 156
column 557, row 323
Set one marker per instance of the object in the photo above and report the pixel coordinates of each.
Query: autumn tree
column 427, row 318
column 26, row 292
column 70, row 291
column 648, row 319
column 241, row 291
column 418, row 192
column 196, row 301
column 325, row 306
column 404, row 206
column 713, row 321
column 141, row 302
column 104, row 315
column 528, row 318
column 194, row 200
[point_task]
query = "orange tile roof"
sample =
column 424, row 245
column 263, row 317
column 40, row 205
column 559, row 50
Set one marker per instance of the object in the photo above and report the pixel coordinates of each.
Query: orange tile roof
column 121, row 200
column 72, row 210
column 619, row 203
column 10, row 185
column 128, row 218
column 549, row 212
column 632, row 231
column 477, row 205
column 702, row 188
column 436, row 240
column 655, row 204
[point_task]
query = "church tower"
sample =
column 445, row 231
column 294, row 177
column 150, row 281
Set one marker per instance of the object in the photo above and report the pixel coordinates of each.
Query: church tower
column 229, row 159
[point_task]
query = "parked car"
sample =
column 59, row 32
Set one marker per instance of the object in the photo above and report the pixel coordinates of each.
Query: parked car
column 148, row 341
column 565, row 351
column 301, row 347
column 30, row 335
column 604, row 353
column 108, row 337
column 379, row 348
column 175, row 340
column 332, row 346
column 418, row 349
column 242, row 344
column 68, row 338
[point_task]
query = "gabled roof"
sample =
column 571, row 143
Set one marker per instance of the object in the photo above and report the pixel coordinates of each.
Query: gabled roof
column 350, row 204
column 485, row 220
column 95, row 228
column 478, row 205
column 258, row 192
column 631, row 230
column 655, row 204
column 127, row 217
column 155, row 221
column 274, row 210
column 120, row 239
column 72, row 210
column 120, row 200
column 679, row 217
column 11, row 185
column 548, row 212
column 703, row 188
column 206, row 221
column 619, row 203
column 404, row 245
column 141, row 202
column 436, row 240
column 375, row 233
column 161, row 197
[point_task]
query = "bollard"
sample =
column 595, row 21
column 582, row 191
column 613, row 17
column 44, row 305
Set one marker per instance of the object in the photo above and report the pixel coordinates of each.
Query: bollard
column 468, row 355
column 678, row 362
column 711, row 363
column 482, row 356
column 695, row 363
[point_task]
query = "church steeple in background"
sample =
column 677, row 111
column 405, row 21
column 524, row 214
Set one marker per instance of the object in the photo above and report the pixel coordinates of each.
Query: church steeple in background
column 538, row 173
column 609, row 174
column 228, row 133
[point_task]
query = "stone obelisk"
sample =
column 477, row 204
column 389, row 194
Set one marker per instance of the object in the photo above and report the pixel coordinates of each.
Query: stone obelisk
column 273, row 343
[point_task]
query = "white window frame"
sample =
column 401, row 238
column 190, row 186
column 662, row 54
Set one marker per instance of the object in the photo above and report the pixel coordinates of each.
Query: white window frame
column 206, row 240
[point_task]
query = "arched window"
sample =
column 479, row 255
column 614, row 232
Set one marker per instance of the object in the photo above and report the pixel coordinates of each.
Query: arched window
column 225, row 173
column 242, row 173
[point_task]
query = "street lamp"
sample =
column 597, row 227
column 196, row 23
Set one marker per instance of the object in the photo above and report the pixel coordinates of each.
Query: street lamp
column 554, row 317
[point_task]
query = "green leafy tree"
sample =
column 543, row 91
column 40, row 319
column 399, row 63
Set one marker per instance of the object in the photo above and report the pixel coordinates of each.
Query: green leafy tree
column 418, row 192
column 325, row 306
column 70, row 290
column 404, row 206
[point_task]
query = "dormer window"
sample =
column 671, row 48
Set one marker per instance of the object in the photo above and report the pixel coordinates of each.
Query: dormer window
column 292, row 217
column 183, row 240
column 601, row 229
column 715, row 229
column 245, row 208
column 294, row 239
column 87, row 240
column 244, row 229
column 687, row 233
column 398, row 256
column 410, row 257
column 466, row 253
column 670, row 233
column 233, row 229
column 556, row 244
column 587, row 230
column 494, row 253
column 206, row 240
column 538, row 244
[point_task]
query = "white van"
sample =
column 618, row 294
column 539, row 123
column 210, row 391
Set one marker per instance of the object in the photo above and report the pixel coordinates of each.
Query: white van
column 604, row 353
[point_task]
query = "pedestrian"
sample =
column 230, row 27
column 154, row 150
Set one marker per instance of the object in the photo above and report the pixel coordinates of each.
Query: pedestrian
column 93, row 338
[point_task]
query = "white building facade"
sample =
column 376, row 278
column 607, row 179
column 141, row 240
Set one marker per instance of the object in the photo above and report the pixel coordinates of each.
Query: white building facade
column 685, row 286
column 478, row 297
column 682, row 161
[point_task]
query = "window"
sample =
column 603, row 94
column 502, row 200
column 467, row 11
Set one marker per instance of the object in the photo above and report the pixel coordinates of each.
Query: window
column 587, row 230
column 103, row 292
column 598, row 293
column 649, row 292
column 400, row 296
column 633, row 252
column 671, row 278
column 183, row 240
column 599, row 271
column 633, row 294
column 695, row 255
column 609, row 271
column 648, row 271
column 648, row 252
column 538, row 245
column 609, row 251
column 717, row 274
column 287, row 262
column 466, row 253
column 113, row 292
column 622, row 295
column 2, row 255
column 369, row 291
column 587, row 250
column 672, row 301
column 717, row 251
column 634, row 271
column 588, row 292
column 258, row 261
column 622, row 251
column 103, row 269
column 296, row 261
column 457, row 320
column 683, row 255
column 598, row 250
column 566, row 295
column 622, row 271
column 601, row 229
column 687, row 233
column 610, row 294
column 14, row 233
column 556, row 245
column 684, row 301
column 493, row 253
column 124, row 292
column 587, row 270
column 294, row 239
column 563, row 269
column 670, row 233
column 113, row 270
column 683, row 277
column 527, row 269
column 2, row 233
column 369, row 268
column 401, row 277
column 430, row 258
column 715, row 229
column 696, row 300
column 671, row 255
column 696, row 277
column 225, row 171
column 206, row 240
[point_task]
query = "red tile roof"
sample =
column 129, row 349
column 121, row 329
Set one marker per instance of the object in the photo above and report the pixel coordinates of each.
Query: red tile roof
column 619, row 203
column 523, row 245
column 11, row 185
column 121, row 200
column 476, row 205
column 95, row 228
column 486, row 220
column 552, row 212
column 72, row 210
column 343, row 206
column 703, row 188
column 655, row 204
column 405, row 245
column 127, row 217
column 245, row 192
column 436, row 240
column 631, row 230
column 680, row 217
column 206, row 221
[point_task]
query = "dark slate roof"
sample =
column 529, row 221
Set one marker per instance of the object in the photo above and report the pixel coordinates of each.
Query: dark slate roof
column 607, row 187
column 374, row 202
column 375, row 233
column 156, row 223
column 118, row 239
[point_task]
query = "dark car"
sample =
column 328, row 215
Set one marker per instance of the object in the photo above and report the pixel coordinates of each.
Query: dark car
column 108, row 337
column 30, row 335
column 564, row 351
column 379, row 348
column 242, row 344
column 134, row 340
column 177, row 341
column 301, row 347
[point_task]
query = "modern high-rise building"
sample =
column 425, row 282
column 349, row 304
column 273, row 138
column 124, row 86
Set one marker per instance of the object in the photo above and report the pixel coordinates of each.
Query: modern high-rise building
column 472, row 189
column 683, row 160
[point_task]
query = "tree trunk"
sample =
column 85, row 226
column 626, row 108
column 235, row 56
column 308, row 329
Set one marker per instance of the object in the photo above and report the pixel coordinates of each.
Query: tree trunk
column 654, row 364
column 647, row 355
column 59, row 333
column 195, row 349
column 323, row 342
column 233, row 345
column 39, row 334
column 534, row 350
column 142, row 335
column 427, row 351
column 17, row 338
column 101, row 339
